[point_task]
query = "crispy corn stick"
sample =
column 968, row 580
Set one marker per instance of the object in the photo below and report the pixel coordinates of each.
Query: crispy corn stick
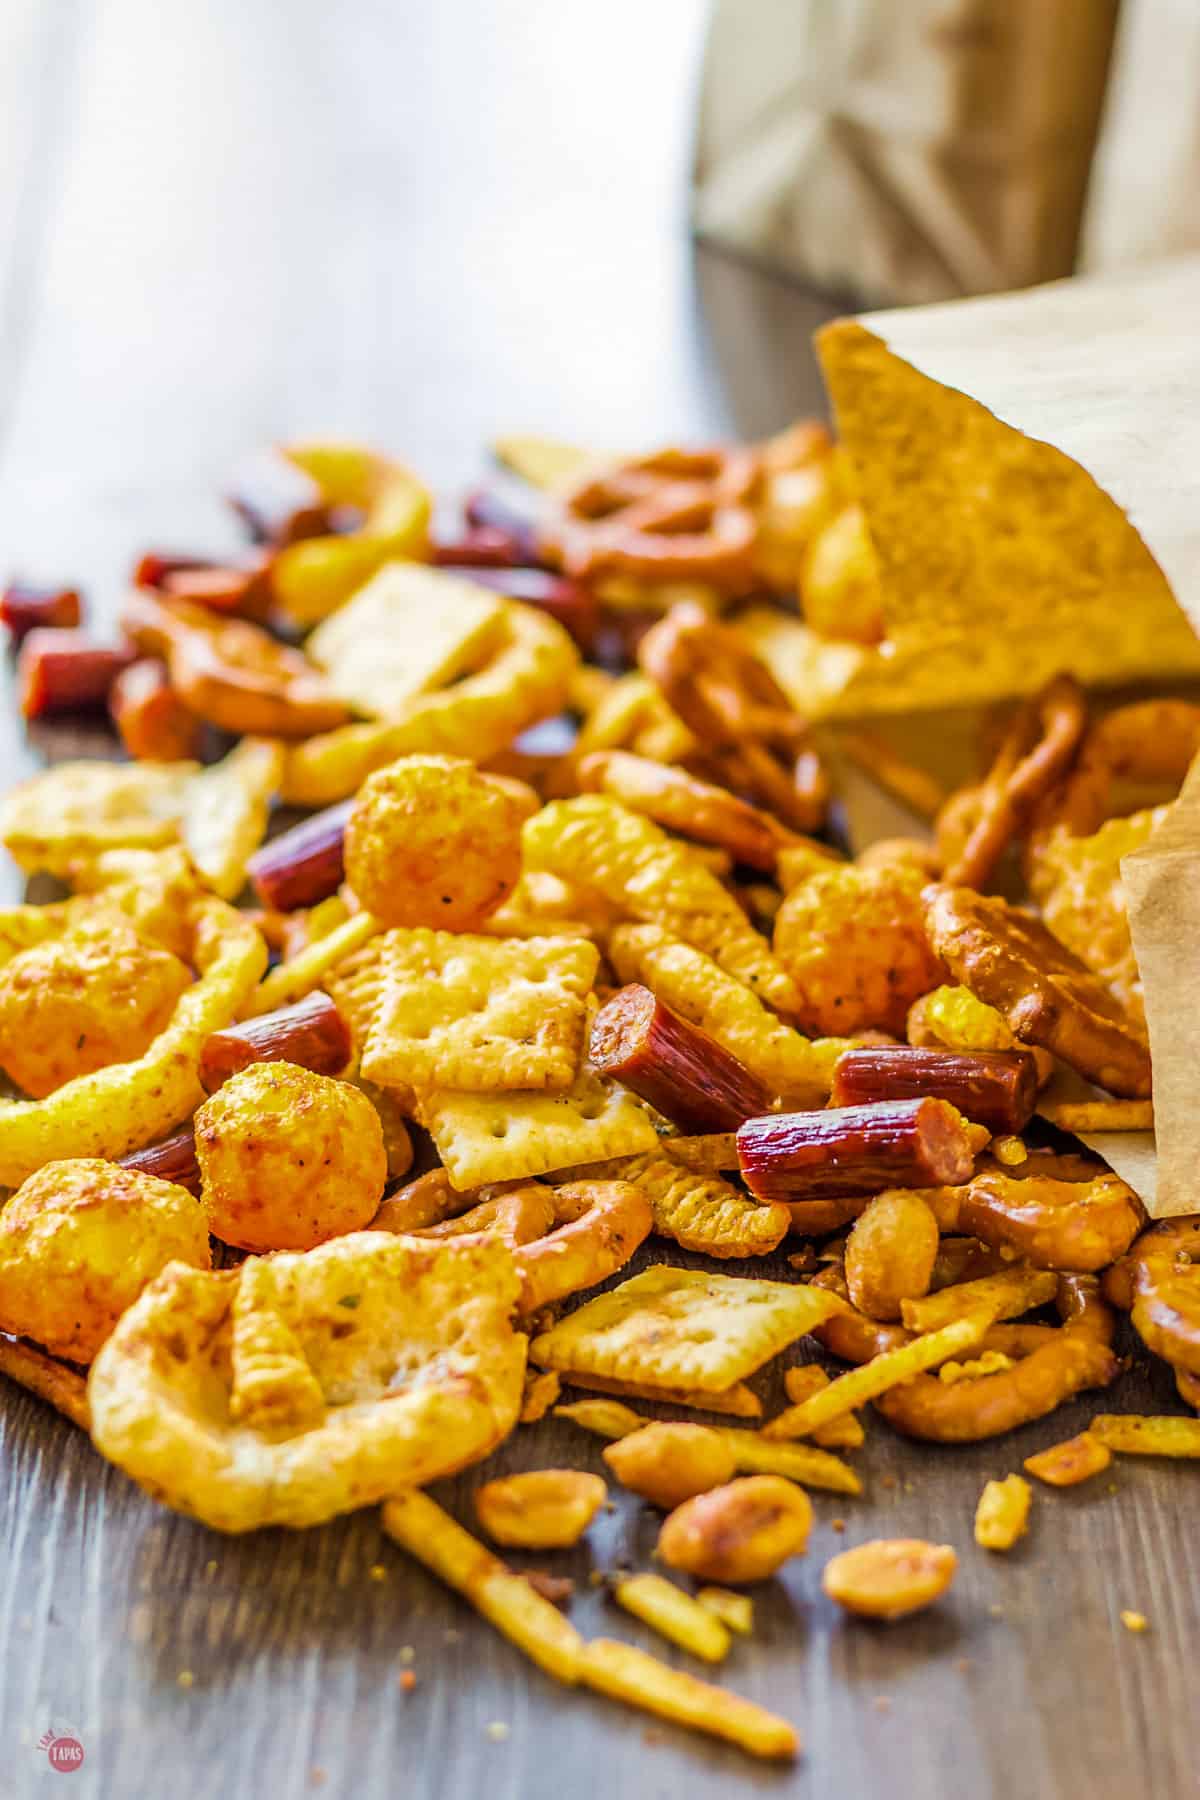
column 667, row 1609
column 736, row 1611
column 1011, row 1293
column 46, row 1377
column 291, row 980
column 755, row 1453
column 845, row 1433
column 419, row 1525
column 1159, row 1435
column 738, row 1401
column 759, row 1454
column 883, row 1372
column 1101, row 1115
column 607, row 1418
column 624, row 1673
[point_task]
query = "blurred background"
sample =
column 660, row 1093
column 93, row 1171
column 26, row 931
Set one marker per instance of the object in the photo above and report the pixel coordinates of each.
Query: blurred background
column 230, row 221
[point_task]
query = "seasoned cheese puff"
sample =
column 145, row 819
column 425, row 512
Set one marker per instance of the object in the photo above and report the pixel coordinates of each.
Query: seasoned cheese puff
column 431, row 841
column 80, row 1240
column 854, row 943
column 97, row 995
column 288, row 1158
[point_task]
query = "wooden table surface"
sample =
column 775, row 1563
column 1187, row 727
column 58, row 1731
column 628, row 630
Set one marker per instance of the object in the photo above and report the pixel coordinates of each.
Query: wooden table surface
column 237, row 221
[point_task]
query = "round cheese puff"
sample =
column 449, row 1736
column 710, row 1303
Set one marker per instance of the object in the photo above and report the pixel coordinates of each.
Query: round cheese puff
column 79, row 1240
column 288, row 1158
column 431, row 841
column 854, row 942
column 97, row 995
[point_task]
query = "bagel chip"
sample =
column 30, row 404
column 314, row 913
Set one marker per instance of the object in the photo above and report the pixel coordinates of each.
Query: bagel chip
column 303, row 1386
column 74, row 812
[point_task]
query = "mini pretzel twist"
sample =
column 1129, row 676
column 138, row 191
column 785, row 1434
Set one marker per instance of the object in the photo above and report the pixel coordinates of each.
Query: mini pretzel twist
column 752, row 736
column 677, row 515
column 1036, row 750
column 1149, row 741
column 562, row 1240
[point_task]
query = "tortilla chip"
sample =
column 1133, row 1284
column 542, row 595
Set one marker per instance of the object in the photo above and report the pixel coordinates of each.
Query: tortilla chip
column 683, row 1328
column 410, row 630
column 505, row 1137
column 480, row 1014
column 303, row 1386
column 1002, row 560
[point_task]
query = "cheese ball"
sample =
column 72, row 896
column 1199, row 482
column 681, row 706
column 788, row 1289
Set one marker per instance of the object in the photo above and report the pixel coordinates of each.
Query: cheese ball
column 100, row 994
column 853, row 940
column 288, row 1158
column 431, row 841
column 79, row 1240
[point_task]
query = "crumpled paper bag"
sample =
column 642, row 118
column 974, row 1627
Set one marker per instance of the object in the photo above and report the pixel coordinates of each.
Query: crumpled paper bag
column 901, row 150
column 1106, row 373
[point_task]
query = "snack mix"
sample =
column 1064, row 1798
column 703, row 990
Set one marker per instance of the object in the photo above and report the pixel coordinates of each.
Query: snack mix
column 337, row 1153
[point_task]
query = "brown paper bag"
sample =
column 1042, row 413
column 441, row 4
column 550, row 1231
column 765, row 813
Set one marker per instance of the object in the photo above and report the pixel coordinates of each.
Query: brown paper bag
column 1089, row 390
column 901, row 152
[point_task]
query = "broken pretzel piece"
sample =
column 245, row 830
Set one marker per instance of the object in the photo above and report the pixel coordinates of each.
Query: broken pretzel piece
column 1047, row 996
column 232, row 673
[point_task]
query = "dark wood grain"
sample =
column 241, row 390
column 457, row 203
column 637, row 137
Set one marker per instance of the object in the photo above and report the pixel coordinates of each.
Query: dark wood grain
column 230, row 222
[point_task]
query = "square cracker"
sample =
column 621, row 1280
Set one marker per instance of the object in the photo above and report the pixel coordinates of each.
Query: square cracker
column 506, row 1137
column 683, row 1328
column 409, row 630
column 480, row 1014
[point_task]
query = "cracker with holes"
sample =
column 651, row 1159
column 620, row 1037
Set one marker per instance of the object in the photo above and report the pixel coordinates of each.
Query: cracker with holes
column 506, row 1137
column 480, row 1014
column 410, row 630
column 683, row 1328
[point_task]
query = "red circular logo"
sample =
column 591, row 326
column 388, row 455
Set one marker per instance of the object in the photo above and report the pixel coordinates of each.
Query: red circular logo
column 65, row 1754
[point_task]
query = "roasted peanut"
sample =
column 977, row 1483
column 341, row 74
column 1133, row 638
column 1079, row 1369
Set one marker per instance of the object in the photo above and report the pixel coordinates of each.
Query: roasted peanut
column 889, row 1577
column 890, row 1253
column 738, row 1533
column 1002, row 1515
column 544, row 1509
column 669, row 1463
column 1067, row 1464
